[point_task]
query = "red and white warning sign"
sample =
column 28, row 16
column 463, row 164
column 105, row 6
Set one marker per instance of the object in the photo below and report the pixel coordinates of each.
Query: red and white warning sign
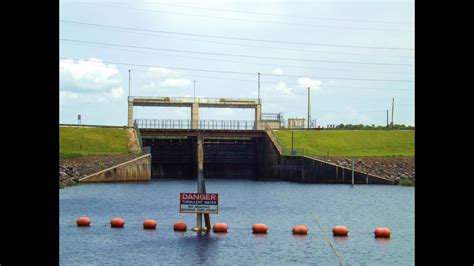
column 198, row 203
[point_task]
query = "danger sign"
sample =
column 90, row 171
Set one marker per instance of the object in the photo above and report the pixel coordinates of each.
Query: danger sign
column 198, row 203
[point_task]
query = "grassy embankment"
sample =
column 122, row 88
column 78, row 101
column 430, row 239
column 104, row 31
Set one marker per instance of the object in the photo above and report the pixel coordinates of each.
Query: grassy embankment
column 347, row 143
column 79, row 141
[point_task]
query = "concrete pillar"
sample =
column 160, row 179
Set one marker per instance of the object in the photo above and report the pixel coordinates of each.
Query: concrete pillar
column 258, row 117
column 130, row 113
column 195, row 116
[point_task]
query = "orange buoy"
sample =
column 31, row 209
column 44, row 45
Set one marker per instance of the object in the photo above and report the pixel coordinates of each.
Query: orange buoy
column 340, row 230
column 300, row 229
column 382, row 232
column 220, row 228
column 83, row 221
column 149, row 224
column 117, row 222
column 180, row 226
column 259, row 228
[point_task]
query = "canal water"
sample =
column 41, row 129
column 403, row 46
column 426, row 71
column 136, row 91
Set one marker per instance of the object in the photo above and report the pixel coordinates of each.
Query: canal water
column 280, row 205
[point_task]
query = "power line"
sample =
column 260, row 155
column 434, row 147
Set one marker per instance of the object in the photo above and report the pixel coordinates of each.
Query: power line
column 251, row 39
column 250, row 20
column 131, row 30
column 286, row 83
column 192, row 76
column 274, row 81
column 236, row 55
column 272, row 14
column 246, row 62
column 242, row 73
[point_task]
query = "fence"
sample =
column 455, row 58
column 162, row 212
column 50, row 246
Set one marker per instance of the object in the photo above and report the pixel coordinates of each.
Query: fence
column 288, row 151
column 299, row 152
column 227, row 124
column 198, row 100
column 202, row 124
column 163, row 123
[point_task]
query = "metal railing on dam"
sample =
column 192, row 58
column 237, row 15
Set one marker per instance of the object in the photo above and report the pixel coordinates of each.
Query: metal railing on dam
column 190, row 100
column 203, row 124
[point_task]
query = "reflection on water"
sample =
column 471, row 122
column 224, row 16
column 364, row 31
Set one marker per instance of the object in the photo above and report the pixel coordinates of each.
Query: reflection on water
column 382, row 242
column 280, row 205
column 259, row 235
column 300, row 236
column 341, row 239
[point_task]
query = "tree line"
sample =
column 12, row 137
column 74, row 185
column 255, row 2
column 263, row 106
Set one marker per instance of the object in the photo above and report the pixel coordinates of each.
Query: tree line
column 361, row 126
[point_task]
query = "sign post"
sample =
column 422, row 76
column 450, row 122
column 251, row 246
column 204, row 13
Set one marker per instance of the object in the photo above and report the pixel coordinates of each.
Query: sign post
column 201, row 186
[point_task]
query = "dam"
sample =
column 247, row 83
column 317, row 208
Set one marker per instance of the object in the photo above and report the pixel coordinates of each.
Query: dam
column 231, row 148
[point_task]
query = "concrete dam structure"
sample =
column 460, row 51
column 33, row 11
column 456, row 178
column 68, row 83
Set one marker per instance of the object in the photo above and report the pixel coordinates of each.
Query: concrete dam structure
column 239, row 154
column 231, row 149
column 230, row 154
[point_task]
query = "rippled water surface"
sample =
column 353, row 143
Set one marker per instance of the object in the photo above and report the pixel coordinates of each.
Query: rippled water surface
column 280, row 205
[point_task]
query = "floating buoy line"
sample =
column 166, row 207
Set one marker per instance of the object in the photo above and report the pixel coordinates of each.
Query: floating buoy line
column 257, row 228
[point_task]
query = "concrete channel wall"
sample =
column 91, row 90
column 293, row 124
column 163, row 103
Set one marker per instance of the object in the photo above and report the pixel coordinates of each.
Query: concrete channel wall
column 310, row 170
column 138, row 169
column 271, row 161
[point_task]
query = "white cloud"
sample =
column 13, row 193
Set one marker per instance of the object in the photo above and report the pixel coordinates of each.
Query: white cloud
column 88, row 75
column 159, row 79
column 150, row 86
column 161, row 72
column 180, row 83
column 89, row 81
column 67, row 97
column 117, row 92
column 277, row 71
column 307, row 82
column 281, row 87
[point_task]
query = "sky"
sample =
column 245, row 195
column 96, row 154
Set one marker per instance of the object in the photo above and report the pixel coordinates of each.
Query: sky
column 354, row 55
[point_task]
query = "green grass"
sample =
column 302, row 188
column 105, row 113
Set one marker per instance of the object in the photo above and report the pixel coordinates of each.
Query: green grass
column 345, row 143
column 78, row 141
column 407, row 182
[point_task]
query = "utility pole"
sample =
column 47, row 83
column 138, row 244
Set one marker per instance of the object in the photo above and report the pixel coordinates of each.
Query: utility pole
column 258, row 85
column 194, row 90
column 387, row 118
column 393, row 103
column 129, row 83
column 309, row 109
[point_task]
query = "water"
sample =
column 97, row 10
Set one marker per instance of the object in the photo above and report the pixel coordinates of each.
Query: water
column 280, row 205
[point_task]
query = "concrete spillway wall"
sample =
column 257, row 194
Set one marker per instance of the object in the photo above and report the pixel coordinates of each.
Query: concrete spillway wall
column 138, row 169
column 271, row 160
column 310, row 170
